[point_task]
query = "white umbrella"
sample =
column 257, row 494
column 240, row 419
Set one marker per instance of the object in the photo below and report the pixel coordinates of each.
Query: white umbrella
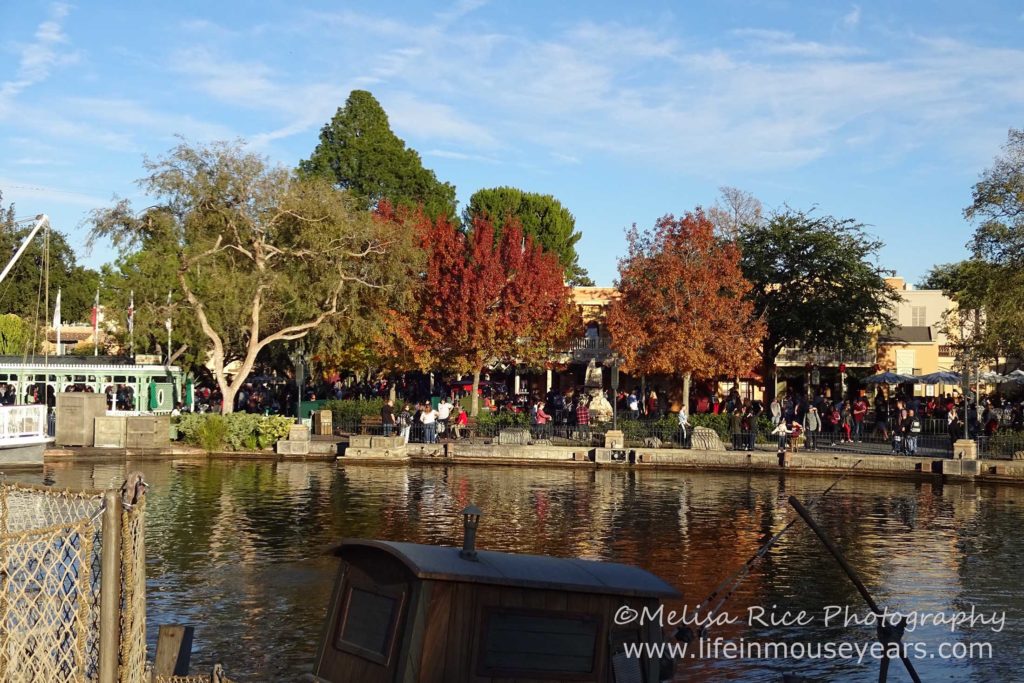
column 1017, row 376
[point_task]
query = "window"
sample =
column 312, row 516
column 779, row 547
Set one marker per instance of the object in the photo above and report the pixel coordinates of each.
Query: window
column 918, row 317
column 538, row 644
column 367, row 623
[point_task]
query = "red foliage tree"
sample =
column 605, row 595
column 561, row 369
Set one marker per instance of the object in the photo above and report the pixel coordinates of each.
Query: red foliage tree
column 681, row 309
column 485, row 300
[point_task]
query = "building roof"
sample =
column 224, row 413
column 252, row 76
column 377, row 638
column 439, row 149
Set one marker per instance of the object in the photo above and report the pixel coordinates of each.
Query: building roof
column 900, row 334
column 441, row 563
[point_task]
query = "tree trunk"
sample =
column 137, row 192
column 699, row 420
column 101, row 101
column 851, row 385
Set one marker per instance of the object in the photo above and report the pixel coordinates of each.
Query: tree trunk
column 686, row 392
column 474, row 405
column 227, row 393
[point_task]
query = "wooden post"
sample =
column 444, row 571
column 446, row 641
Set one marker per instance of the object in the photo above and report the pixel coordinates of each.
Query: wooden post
column 110, row 588
column 173, row 650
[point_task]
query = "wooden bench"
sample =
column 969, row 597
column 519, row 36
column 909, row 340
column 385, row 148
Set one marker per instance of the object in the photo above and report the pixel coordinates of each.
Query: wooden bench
column 371, row 422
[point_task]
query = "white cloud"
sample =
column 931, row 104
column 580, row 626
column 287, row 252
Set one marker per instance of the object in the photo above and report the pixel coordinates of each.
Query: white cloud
column 38, row 58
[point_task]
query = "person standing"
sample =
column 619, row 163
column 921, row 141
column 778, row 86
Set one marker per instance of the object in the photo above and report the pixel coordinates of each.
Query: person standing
column 405, row 424
column 846, row 422
column 812, row 425
column 913, row 430
column 748, row 425
column 776, row 410
column 387, row 417
column 633, row 403
column 899, row 434
column 583, row 418
column 860, row 411
column 782, row 432
column 736, row 429
column 684, row 426
column 444, row 411
column 428, row 417
column 540, row 421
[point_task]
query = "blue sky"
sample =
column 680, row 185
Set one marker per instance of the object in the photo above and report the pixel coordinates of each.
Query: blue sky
column 883, row 112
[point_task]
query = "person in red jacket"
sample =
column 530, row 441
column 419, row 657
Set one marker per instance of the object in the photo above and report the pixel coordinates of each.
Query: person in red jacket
column 860, row 410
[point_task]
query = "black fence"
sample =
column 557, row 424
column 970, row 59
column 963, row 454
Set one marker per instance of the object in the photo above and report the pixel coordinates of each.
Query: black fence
column 869, row 439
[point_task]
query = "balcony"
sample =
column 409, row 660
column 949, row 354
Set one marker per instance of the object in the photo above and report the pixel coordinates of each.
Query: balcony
column 946, row 351
column 826, row 357
column 585, row 349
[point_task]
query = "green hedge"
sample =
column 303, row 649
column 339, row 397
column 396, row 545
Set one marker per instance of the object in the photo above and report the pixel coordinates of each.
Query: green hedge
column 349, row 412
column 234, row 431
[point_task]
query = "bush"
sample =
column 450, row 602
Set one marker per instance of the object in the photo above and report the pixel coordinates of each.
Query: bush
column 492, row 423
column 349, row 412
column 212, row 432
column 235, row 431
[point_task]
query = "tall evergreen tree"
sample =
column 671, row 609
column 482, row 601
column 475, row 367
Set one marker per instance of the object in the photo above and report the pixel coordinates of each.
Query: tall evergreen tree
column 359, row 152
column 539, row 215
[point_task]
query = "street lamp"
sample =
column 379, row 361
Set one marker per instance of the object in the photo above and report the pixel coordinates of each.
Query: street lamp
column 615, row 394
column 298, row 359
column 470, row 521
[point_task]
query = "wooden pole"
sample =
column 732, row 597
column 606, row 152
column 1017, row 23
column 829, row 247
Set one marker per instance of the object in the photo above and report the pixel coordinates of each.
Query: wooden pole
column 851, row 574
column 110, row 588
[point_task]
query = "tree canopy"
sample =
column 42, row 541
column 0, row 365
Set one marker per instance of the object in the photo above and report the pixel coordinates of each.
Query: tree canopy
column 359, row 152
column 681, row 308
column 988, row 323
column 539, row 215
column 21, row 290
column 997, row 208
column 733, row 210
column 16, row 338
column 259, row 255
column 814, row 282
column 489, row 300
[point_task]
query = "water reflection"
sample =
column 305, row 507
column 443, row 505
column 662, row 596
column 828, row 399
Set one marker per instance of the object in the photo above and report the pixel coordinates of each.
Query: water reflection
column 238, row 548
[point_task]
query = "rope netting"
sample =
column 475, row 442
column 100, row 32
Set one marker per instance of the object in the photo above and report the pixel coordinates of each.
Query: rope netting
column 50, row 578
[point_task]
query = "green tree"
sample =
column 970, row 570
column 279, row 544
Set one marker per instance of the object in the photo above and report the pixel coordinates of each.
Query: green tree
column 260, row 256
column 998, row 206
column 15, row 336
column 814, row 283
column 988, row 322
column 21, row 292
column 359, row 152
column 540, row 215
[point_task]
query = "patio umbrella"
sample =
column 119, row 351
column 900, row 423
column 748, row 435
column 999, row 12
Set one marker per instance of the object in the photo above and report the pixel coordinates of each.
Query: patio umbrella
column 941, row 377
column 992, row 378
column 1017, row 376
column 154, row 400
column 888, row 378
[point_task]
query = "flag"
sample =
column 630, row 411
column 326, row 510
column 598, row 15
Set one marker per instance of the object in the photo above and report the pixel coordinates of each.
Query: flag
column 167, row 323
column 56, row 320
column 131, row 312
column 96, row 324
column 56, row 313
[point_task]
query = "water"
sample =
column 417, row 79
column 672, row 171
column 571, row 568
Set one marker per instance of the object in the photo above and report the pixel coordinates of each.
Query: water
column 239, row 549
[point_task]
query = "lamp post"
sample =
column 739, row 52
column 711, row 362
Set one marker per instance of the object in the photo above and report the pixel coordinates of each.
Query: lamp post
column 615, row 394
column 298, row 359
column 470, row 521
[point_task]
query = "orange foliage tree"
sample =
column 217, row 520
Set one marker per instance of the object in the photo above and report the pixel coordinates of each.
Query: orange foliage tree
column 681, row 309
column 485, row 299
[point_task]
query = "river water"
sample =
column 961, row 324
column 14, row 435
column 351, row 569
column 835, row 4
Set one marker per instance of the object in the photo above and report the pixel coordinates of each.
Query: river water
column 237, row 549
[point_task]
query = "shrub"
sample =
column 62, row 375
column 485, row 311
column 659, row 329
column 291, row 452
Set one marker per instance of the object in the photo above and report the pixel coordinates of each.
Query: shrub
column 492, row 423
column 349, row 412
column 212, row 432
column 234, row 431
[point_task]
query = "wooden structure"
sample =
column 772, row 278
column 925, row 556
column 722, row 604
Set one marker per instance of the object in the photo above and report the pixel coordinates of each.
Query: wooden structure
column 404, row 612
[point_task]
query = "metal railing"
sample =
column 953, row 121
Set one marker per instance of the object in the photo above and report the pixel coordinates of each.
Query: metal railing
column 826, row 357
column 870, row 438
column 20, row 423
